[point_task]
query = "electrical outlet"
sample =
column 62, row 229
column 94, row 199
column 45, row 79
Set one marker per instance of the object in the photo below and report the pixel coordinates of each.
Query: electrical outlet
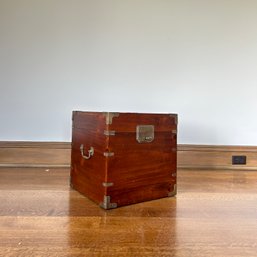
column 238, row 160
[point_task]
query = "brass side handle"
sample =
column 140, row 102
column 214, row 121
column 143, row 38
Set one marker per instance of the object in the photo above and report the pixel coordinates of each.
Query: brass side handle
column 90, row 152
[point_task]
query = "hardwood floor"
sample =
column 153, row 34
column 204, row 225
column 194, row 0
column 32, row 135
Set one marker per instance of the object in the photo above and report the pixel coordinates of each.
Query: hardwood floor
column 214, row 214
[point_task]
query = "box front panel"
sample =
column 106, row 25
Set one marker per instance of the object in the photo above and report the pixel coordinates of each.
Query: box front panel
column 142, row 170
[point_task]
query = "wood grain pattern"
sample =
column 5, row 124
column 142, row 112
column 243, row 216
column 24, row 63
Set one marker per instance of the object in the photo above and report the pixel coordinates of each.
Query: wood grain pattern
column 57, row 154
column 35, row 154
column 126, row 122
column 215, row 157
column 136, row 171
column 87, row 176
column 213, row 214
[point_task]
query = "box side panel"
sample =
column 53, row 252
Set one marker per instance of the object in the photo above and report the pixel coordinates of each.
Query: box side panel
column 92, row 121
column 87, row 175
column 143, row 171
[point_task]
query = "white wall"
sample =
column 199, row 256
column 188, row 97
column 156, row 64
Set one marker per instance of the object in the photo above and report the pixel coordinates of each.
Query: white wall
column 196, row 58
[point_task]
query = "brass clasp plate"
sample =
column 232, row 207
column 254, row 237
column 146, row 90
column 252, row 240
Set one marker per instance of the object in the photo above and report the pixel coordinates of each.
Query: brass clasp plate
column 145, row 133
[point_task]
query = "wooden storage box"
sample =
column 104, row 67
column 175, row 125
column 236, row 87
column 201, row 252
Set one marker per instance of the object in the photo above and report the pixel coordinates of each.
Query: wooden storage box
column 124, row 158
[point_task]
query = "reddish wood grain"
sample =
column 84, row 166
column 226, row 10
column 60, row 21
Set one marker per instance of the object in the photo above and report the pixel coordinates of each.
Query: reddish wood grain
column 214, row 214
column 137, row 171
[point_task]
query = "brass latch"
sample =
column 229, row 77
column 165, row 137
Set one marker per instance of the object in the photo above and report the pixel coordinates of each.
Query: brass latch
column 145, row 133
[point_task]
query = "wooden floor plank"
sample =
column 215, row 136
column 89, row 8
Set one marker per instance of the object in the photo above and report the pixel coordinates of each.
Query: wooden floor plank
column 214, row 214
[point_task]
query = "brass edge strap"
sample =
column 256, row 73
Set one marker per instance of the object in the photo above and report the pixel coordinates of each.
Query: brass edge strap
column 106, row 204
column 107, row 184
column 174, row 192
column 109, row 132
column 108, row 154
column 109, row 116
